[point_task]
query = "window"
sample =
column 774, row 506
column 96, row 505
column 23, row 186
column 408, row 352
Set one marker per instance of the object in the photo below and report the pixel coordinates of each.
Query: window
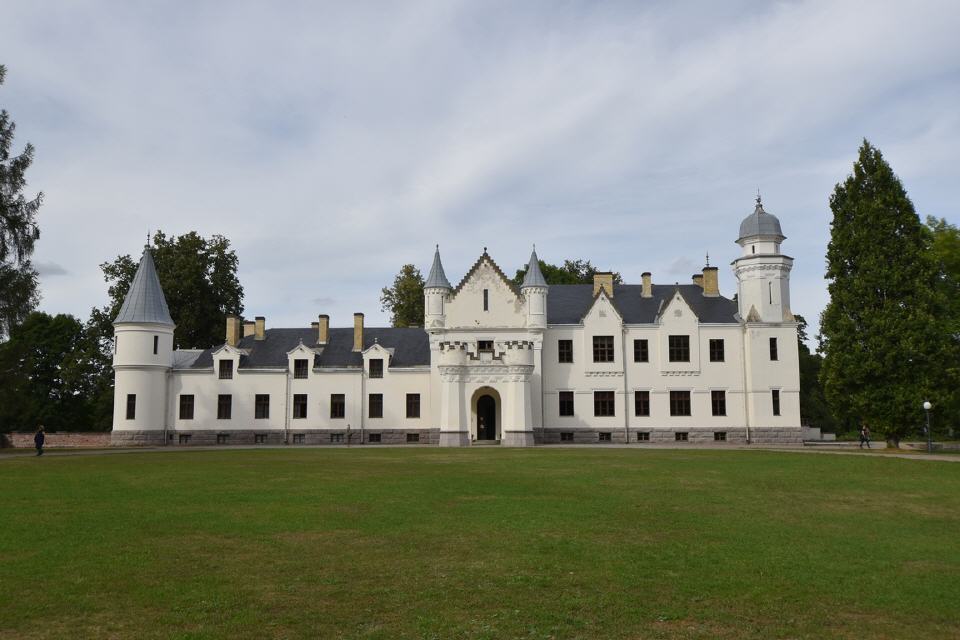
column 131, row 406
column 224, row 406
column 298, row 438
column 566, row 403
column 679, row 403
column 376, row 405
column 486, row 300
column 566, row 436
column 373, row 437
column 156, row 344
column 679, row 350
column 641, row 351
column 223, row 438
column 413, row 437
column 718, row 400
column 259, row 438
column 775, row 396
column 719, row 436
column 376, row 368
column 641, row 403
column 565, row 351
column 226, row 369
column 603, row 403
column 413, row 405
column 336, row 437
column 300, row 369
column 681, row 436
column 643, row 436
column 261, row 406
column 604, row 436
column 184, row 438
column 716, row 350
column 186, row 407
column 299, row 405
column 338, row 405
column 485, row 346
column 773, row 349
column 603, row 348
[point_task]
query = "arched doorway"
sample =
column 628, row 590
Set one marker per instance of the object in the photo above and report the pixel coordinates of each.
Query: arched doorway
column 486, row 417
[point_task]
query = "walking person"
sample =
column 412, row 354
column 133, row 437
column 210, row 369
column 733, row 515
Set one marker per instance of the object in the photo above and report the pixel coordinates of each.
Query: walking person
column 38, row 439
column 864, row 435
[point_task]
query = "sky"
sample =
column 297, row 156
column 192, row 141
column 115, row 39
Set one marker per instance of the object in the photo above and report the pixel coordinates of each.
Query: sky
column 334, row 142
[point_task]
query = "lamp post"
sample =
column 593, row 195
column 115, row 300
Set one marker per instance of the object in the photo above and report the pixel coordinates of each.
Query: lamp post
column 926, row 407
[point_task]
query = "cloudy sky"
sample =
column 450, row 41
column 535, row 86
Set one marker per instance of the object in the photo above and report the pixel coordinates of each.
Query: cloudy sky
column 334, row 142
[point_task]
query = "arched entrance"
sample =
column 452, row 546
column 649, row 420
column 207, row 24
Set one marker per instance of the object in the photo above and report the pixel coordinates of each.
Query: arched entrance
column 485, row 405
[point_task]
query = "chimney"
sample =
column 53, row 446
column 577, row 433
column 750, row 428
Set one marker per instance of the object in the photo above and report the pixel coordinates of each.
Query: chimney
column 248, row 328
column 698, row 279
column 603, row 280
column 711, row 284
column 647, row 285
column 324, row 331
column 233, row 330
column 259, row 328
column 358, row 332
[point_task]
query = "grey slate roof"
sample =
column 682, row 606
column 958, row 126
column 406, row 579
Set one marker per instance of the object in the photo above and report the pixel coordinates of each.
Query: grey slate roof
column 568, row 303
column 760, row 223
column 533, row 277
column 437, row 278
column 145, row 301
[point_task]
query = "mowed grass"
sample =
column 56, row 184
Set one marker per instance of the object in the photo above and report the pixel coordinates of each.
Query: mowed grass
column 432, row 543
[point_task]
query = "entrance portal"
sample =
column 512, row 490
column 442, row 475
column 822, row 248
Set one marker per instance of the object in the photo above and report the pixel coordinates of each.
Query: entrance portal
column 486, row 418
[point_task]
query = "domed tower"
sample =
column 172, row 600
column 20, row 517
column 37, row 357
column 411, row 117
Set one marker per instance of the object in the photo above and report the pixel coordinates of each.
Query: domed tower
column 435, row 292
column 763, row 273
column 142, row 359
column 534, row 289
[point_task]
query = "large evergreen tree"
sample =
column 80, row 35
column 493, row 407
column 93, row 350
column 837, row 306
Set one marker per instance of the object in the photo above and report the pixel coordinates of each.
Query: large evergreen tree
column 883, row 334
column 18, row 230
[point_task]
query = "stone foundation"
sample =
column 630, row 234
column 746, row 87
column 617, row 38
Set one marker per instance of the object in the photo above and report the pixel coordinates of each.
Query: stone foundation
column 776, row 435
column 59, row 440
column 454, row 439
column 136, row 438
column 517, row 439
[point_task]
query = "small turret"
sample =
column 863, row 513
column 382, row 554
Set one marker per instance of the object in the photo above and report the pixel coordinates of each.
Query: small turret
column 763, row 273
column 435, row 292
column 534, row 289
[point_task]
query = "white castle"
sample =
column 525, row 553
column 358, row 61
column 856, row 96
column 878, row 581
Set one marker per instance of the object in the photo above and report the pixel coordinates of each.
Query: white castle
column 493, row 364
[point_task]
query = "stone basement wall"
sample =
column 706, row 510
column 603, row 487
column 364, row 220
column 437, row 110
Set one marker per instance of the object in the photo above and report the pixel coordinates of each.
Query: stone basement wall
column 274, row 437
column 62, row 440
column 667, row 435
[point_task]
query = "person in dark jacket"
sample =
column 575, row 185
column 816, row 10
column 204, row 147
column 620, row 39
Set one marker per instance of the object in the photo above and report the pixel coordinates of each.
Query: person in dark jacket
column 38, row 439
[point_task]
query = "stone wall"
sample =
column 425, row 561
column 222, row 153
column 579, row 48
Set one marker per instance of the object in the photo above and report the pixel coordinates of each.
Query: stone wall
column 654, row 435
column 62, row 440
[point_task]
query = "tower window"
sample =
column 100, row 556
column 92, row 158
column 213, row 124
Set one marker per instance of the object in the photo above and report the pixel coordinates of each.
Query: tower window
column 770, row 291
column 156, row 344
column 775, row 397
column 486, row 300
column 753, row 248
column 773, row 349
column 131, row 406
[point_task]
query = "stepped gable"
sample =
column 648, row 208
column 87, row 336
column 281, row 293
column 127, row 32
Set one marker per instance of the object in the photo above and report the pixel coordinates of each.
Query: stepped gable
column 496, row 268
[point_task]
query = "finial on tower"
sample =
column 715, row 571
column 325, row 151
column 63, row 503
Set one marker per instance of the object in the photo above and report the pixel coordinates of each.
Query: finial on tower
column 759, row 203
column 148, row 239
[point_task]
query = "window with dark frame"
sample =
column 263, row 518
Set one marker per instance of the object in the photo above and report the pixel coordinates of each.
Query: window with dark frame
column 603, row 348
column 299, row 438
column 223, row 438
column 338, row 405
column 261, row 406
column 641, row 403
column 566, row 403
column 566, row 436
column 336, row 437
column 299, row 406
column 719, row 436
column 643, row 436
column 413, row 437
column 184, row 438
column 376, row 367
column 301, row 368
column 375, row 405
column 716, row 350
column 641, row 351
column 374, row 437
column 186, row 407
column 259, row 438
column 224, row 406
column 226, row 369
column 679, row 348
column 156, row 344
column 413, row 405
column 131, row 406
column 679, row 403
column 773, row 349
column 565, row 351
column 718, row 402
column 604, row 436
column 486, row 300
column 603, row 404
column 775, row 396
column 485, row 346
column 681, row 436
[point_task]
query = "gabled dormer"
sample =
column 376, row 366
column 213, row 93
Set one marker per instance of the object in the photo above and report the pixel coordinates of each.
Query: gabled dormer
column 485, row 298
column 679, row 341
column 226, row 362
column 376, row 360
column 602, row 335
column 300, row 361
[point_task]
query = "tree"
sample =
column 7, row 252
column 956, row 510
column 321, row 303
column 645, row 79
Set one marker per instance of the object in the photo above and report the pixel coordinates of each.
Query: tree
column 404, row 300
column 944, row 239
column 571, row 272
column 18, row 230
column 883, row 334
column 814, row 410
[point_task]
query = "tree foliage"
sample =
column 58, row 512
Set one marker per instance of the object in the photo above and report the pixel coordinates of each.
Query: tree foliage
column 404, row 300
column 884, row 333
column 570, row 272
column 814, row 409
column 18, row 229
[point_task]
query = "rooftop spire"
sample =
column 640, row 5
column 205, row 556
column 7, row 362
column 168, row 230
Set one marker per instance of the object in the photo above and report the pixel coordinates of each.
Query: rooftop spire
column 534, row 277
column 437, row 278
column 145, row 301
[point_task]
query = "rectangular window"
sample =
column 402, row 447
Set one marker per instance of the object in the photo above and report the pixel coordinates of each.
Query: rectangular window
column 374, row 437
column 413, row 405
column 719, row 436
column 186, row 407
column 565, row 351
column 298, row 438
column 641, row 403
column 641, row 351
column 184, row 438
column 156, row 344
column 336, row 437
column 223, row 438
column 413, row 437
column 485, row 346
column 566, row 403
column 718, row 400
column 486, row 300
column 226, row 369
column 643, row 436
column 775, row 396
column 338, row 405
column 603, row 348
column 376, row 405
column 679, row 403
column 224, row 406
column 603, row 403
column 259, row 438
column 566, row 436
column 604, row 436
column 261, row 406
column 679, row 350
column 131, row 406
column 716, row 350
column 299, row 406
column 376, row 368
column 300, row 368
column 773, row 349
column 681, row 436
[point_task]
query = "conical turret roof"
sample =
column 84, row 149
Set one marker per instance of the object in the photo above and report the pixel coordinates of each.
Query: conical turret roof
column 437, row 278
column 145, row 301
column 534, row 277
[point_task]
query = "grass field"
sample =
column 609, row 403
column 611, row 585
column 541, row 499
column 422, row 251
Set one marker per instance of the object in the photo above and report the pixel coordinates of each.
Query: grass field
column 431, row 543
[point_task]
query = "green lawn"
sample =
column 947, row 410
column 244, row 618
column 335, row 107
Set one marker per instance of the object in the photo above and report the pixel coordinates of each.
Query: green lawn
column 433, row 543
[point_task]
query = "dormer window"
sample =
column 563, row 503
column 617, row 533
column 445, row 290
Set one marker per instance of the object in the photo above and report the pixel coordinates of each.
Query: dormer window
column 226, row 369
column 301, row 368
column 376, row 368
column 485, row 346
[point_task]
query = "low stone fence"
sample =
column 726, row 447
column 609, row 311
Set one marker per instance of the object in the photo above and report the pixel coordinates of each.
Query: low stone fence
column 61, row 440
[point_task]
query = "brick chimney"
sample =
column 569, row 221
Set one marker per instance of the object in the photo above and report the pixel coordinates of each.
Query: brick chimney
column 259, row 328
column 603, row 280
column 711, row 283
column 248, row 328
column 233, row 330
column 323, row 337
column 698, row 279
column 647, row 285
column 358, row 332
